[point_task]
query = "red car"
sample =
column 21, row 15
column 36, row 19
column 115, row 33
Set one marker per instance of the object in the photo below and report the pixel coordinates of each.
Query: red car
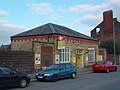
column 106, row 66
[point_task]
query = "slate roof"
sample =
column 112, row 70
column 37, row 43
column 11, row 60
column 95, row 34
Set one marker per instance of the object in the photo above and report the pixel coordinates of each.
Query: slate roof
column 5, row 47
column 51, row 28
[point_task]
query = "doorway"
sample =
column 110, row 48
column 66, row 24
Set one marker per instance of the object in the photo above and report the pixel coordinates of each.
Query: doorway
column 79, row 60
column 46, row 56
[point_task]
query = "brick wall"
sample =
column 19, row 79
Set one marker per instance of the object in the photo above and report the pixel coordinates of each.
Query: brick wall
column 21, row 60
column 111, row 58
column 23, row 45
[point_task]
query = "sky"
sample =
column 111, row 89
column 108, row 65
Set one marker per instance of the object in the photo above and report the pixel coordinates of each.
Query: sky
column 17, row 16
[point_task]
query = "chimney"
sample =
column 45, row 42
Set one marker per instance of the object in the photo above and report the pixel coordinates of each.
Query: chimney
column 108, row 22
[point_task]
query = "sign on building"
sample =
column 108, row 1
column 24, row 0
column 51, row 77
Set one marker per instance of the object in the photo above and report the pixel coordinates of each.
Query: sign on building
column 37, row 58
column 61, row 42
column 56, row 59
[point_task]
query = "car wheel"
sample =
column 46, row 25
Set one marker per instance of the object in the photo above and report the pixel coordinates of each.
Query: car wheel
column 23, row 83
column 116, row 69
column 73, row 75
column 94, row 71
column 107, row 70
column 54, row 78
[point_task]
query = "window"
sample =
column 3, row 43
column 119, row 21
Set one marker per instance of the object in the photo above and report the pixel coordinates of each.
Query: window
column 97, row 31
column 79, row 51
column 5, row 70
column 62, row 66
column 110, row 63
column 91, row 54
column 65, row 55
column 100, row 62
column 68, row 66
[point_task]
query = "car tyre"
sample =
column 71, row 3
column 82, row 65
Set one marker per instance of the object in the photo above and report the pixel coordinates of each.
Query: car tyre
column 73, row 75
column 116, row 69
column 107, row 70
column 54, row 78
column 94, row 71
column 23, row 83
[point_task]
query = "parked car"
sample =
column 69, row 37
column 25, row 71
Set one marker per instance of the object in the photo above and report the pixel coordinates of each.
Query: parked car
column 11, row 77
column 106, row 66
column 57, row 71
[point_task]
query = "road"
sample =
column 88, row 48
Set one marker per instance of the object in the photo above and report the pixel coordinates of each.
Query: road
column 92, row 81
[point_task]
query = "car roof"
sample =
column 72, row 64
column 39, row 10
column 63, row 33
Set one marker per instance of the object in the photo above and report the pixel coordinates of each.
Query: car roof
column 2, row 65
column 61, row 63
column 104, row 61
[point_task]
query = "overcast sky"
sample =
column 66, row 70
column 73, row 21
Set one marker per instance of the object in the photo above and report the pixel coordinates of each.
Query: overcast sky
column 81, row 15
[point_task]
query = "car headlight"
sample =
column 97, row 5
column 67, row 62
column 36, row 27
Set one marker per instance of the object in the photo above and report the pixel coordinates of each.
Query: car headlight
column 46, row 74
column 37, row 74
column 28, row 75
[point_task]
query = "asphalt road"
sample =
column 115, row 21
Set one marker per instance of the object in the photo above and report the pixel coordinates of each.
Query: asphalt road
column 92, row 81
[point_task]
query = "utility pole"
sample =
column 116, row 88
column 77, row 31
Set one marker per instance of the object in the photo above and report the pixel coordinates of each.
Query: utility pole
column 114, row 42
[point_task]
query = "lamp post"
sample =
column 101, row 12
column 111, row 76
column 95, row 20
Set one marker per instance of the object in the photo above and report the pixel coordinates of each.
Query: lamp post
column 114, row 42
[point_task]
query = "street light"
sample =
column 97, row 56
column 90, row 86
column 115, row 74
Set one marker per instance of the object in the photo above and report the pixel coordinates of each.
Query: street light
column 114, row 42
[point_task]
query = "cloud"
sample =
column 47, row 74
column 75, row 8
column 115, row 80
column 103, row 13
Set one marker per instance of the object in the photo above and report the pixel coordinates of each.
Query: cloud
column 3, row 13
column 7, row 29
column 90, row 20
column 55, row 16
column 86, row 8
column 41, row 8
column 61, row 9
column 94, row 12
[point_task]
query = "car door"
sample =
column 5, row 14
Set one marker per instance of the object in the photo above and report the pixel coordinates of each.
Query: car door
column 69, row 70
column 111, row 67
column 2, row 78
column 10, row 76
column 62, row 71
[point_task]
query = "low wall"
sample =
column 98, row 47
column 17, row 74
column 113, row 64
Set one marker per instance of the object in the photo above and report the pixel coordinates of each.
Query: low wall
column 21, row 60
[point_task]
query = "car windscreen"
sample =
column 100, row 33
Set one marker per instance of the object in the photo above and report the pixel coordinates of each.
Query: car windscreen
column 53, row 67
column 100, row 62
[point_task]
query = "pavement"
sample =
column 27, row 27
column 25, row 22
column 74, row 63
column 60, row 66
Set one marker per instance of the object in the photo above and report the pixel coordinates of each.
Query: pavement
column 79, row 72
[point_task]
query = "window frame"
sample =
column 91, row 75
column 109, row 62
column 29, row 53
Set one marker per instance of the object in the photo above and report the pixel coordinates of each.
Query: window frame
column 64, row 55
column 91, row 52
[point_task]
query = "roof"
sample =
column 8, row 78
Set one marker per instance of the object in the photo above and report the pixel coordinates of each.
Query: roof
column 5, row 47
column 49, row 29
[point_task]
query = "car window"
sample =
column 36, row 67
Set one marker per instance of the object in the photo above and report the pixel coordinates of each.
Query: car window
column 0, row 72
column 100, row 62
column 62, row 66
column 5, row 70
column 110, row 63
column 72, row 66
column 68, row 66
column 53, row 67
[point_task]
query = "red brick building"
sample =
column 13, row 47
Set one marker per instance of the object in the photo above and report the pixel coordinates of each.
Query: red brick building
column 108, row 30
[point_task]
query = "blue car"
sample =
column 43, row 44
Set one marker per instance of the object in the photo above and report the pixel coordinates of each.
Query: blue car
column 57, row 71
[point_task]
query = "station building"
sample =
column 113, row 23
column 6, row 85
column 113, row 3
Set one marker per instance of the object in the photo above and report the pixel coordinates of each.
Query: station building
column 53, row 43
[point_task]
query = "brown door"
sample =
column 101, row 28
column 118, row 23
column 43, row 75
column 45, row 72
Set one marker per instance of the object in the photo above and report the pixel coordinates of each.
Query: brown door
column 46, row 56
column 46, row 62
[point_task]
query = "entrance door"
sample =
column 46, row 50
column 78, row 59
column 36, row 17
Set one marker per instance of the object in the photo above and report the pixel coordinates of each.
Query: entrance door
column 79, row 60
column 46, row 59
column 46, row 56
